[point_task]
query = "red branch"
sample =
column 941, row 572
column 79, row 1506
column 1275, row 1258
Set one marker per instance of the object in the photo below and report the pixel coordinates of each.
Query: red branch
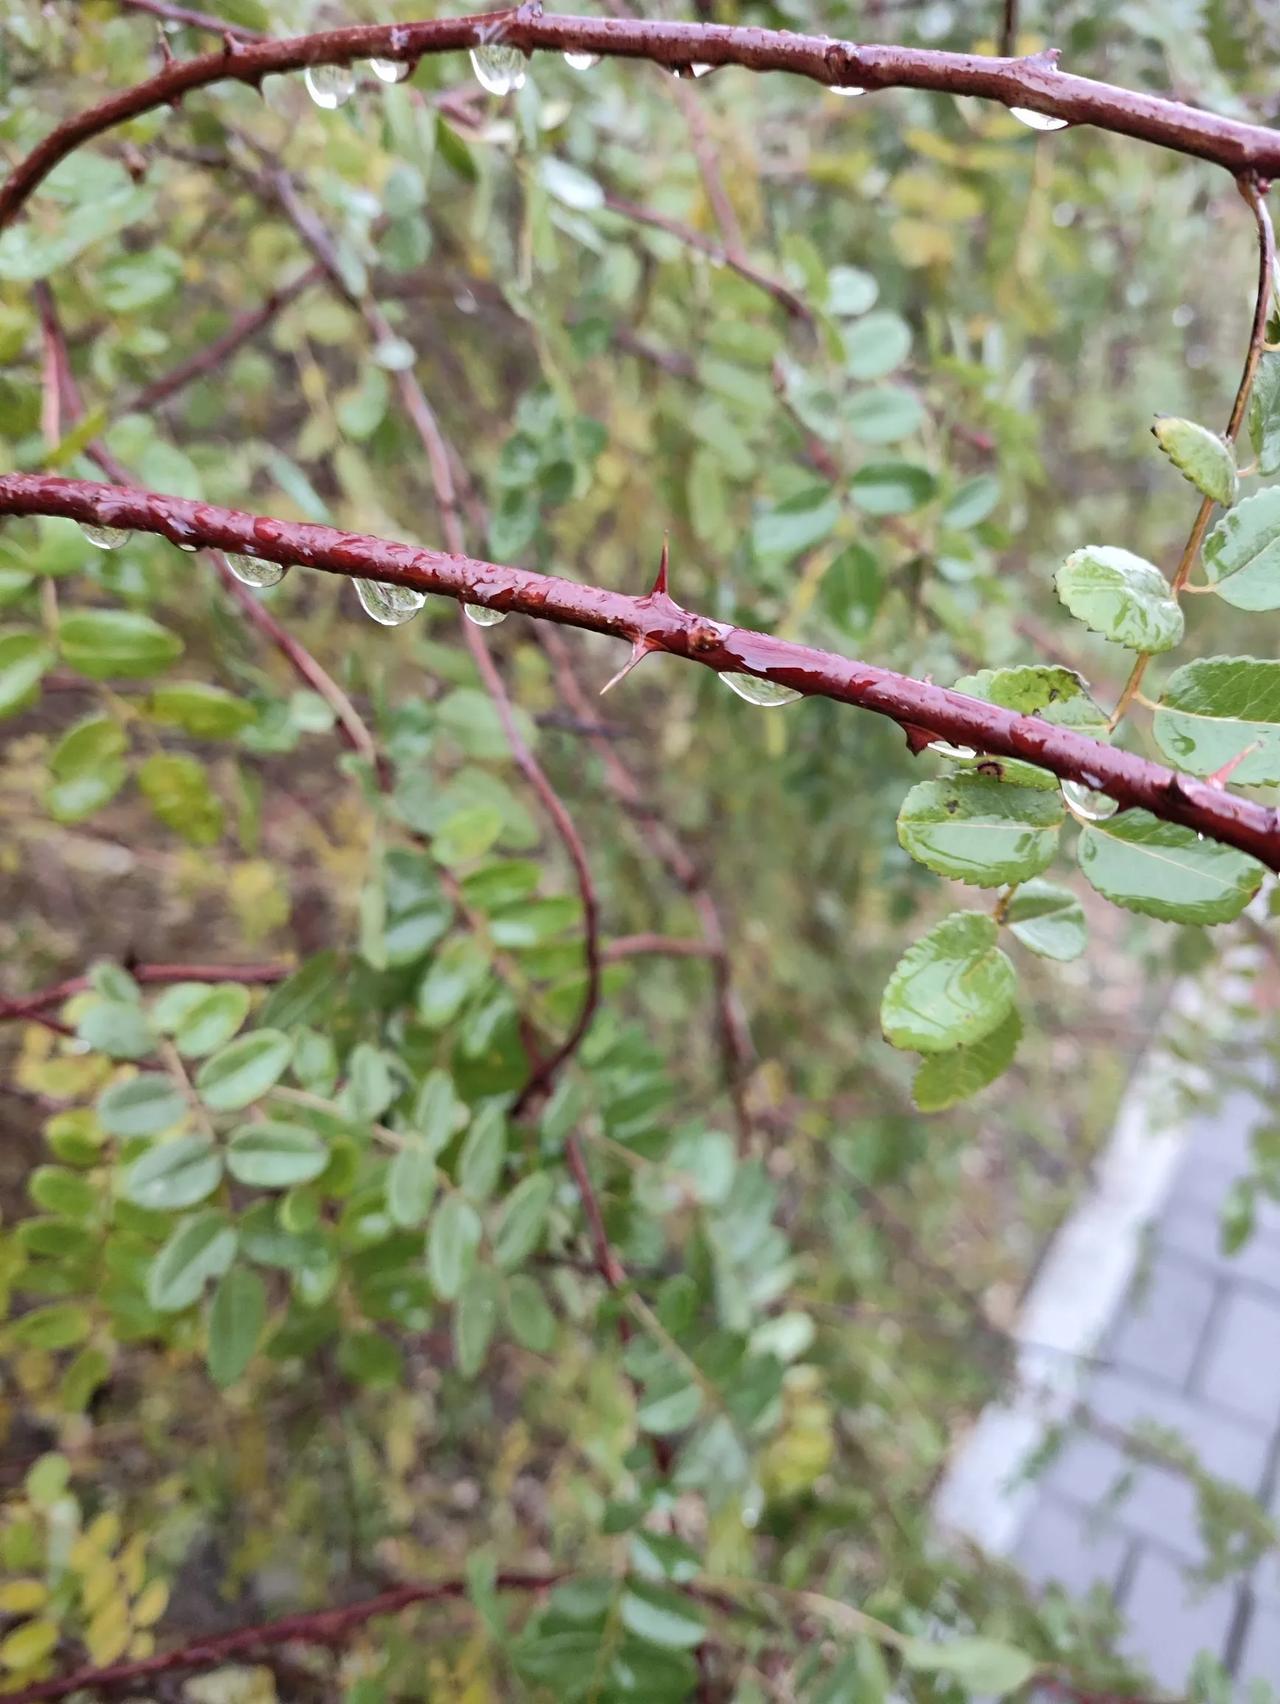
column 658, row 623
column 655, row 946
column 1034, row 82
column 33, row 1005
column 318, row 1627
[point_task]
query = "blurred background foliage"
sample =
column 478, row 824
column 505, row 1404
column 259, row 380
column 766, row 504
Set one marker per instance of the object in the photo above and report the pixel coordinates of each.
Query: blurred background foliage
column 271, row 1371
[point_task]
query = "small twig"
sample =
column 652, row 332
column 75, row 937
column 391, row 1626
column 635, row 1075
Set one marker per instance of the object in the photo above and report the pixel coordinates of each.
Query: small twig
column 193, row 19
column 655, row 946
column 257, row 975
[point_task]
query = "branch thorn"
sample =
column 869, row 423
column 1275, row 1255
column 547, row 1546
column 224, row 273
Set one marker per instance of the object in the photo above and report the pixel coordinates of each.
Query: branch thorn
column 640, row 649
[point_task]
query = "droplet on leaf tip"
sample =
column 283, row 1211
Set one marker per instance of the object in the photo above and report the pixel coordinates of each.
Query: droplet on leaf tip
column 330, row 85
column 482, row 616
column 389, row 70
column 1037, row 120
column 499, row 68
column 251, row 572
column 768, row 694
column 389, row 605
column 106, row 538
column 1083, row 802
column 582, row 61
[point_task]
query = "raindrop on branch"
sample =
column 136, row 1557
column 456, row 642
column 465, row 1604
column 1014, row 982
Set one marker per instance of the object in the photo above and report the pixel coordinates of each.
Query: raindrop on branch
column 499, row 69
column 766, row 693
column 389, row 70
column 483, row 617
column 957, row 754
column 252, row 572
column 1037, row 120
column 582, row 61
column 702, row 70
column 389, row 605
column 848, row 90
column 1083, row 802
column 330, row 85
column 106, row 538
column 189, row 548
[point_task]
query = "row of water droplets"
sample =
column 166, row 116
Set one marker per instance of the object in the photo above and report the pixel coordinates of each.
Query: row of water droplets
column 388, row 605
column 1080, row 800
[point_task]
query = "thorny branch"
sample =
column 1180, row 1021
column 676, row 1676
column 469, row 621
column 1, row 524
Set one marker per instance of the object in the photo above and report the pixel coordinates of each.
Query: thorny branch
column 657, row 623
column 1033, row 82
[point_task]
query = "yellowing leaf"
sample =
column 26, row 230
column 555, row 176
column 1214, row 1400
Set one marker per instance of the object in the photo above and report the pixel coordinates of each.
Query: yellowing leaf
column 28, row 1644
column 20, row 1597
column 151, row 1603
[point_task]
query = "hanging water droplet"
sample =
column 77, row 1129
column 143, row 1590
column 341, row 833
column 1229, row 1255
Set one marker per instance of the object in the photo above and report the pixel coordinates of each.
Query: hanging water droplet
column 581, row 61
column 766, row 693
column 848, row 90
column 389, row 605
column 498, row 68
column 106, row 538
column 702, row 70
column 1037, row 120
column 330, row 85
column 189, row 548
column 483, row 617
column 957, row 754
column 389, row 70
column 253, row 572
column 1083, row 802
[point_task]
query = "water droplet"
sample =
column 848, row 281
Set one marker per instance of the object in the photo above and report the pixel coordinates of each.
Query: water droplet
column 483, row 617
column 389, row 70
column 702, row 70
column 848, row 90
column 106, row 538
column 389, row 605
column 255, row 573
column 330, row 85
column 189, row 548
column 582, row 61
column 957, row 754
column 1037, row 120
column 766, row 693
column 1083, row 802
column 498, row 68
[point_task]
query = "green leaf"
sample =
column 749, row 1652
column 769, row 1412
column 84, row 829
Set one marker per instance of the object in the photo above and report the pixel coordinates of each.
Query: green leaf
column 852, row 588
column 206, row 712
column 106, row 642
column 66, row 1193
column 437, row 1111
column 371, row 1359
column 892, row 488
column 1200, row 456
column 276, row 1155
column 952, row 987
column 885, row 414
column 243, row 1070
column 946, row 1079
column 1264, row 413
column 58, row 1326
column 306, row 997
column 781, row 533
column 569, row 184
column 1120, row 596
column 1048, row 920
column 85, row 768
column 25, row 658
column 177, row 789
column 850, row 291
column 1214, row 709
column 518, row 1229
column 661, row 1616
column 1242, row 553
column 876, row 345
column 972, row 502
column 984, row 1666
column 201, row 1248
column 474, row 1317
column 142, row 1106
column 411, row 1186
column 533, row 1325
column 452, row 1242
column 483, row 1153
column 116, row 1027
column 980, row 831
column 566, row 1661
column 236, row 1318
column 1162, row 870
column 1056, row 695
column 174, row 1174
column 211, row 1020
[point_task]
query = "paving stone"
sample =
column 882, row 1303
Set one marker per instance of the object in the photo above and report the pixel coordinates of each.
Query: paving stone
column 1190, row 1228
column 1260, row 1652
column 1161, row 1324
column 1169, row 1623
column 1223, row 1130
column 1241, row 1368
column 1062, row 1546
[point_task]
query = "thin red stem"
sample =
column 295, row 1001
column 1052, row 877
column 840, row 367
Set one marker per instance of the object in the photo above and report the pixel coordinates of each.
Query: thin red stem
column 32, row 1005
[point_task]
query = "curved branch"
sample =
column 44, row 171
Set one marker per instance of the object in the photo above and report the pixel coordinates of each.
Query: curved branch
column 658, row 623
column 1033, row 82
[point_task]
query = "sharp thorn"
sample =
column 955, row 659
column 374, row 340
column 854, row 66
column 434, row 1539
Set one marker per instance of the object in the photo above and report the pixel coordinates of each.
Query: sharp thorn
column 639, row 651
column 660, row 584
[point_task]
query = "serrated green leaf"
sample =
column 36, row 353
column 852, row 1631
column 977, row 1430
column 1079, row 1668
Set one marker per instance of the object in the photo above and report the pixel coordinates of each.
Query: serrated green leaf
column 1214, row 709
column 201, row 1248
column 275, row 1155
column 1121, row 596
column 1264, row 413
column 106, row 642
column 174, row 1174
column 1054, row 694
column 1200, row 456
column 236, row 1317
column 980, row 831
column 1048, row 920
column 946, row 1079
column 212, row 1020
column 1163, row 870
column 1242, row 553
column 952, row 987
column 243, row 1070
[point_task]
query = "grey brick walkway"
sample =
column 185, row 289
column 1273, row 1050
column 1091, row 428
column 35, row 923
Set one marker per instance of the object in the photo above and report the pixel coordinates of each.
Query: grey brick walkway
column 1195, row 1348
